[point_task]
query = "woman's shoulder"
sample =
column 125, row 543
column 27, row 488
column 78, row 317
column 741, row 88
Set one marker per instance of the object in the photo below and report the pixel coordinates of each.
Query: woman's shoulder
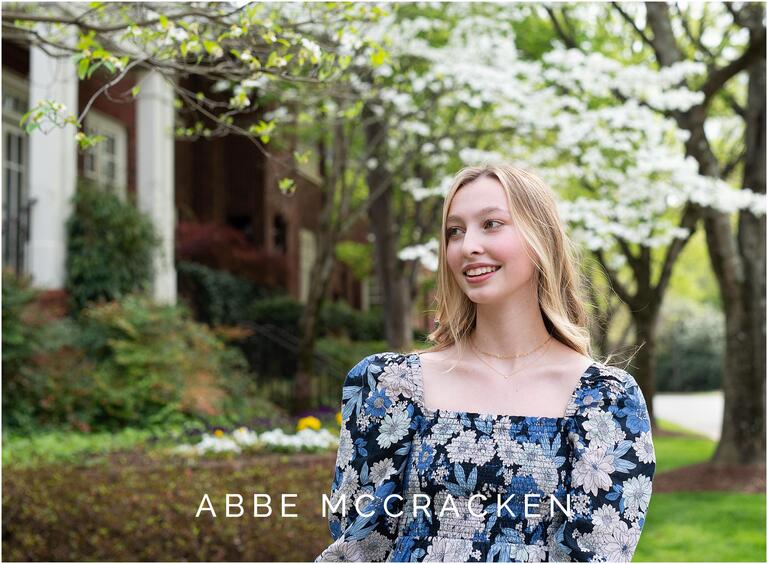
column 606, row 385
column 389, row 372
column 613, row 377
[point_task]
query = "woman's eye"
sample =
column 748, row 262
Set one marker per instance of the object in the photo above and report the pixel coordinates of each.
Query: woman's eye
column 451, row 231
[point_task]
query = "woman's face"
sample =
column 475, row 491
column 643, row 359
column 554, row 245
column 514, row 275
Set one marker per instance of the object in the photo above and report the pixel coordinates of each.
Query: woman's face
column 479, row 229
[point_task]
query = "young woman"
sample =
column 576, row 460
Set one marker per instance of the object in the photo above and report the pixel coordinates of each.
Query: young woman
column 505, row 441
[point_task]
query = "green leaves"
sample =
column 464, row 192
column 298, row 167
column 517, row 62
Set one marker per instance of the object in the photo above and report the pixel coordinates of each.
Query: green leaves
column 263, row 129
column 287, row 186
column 87, row 141
column 47, row 112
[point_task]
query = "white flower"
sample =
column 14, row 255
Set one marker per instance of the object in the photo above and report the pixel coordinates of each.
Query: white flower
column 621, row 545
column 346, row 448
column 350, row 483
column 245, row 436
column 483, row 452
column 637, row 492
column 382, row 470
column 461, row 448
column 509, row 451
column 342, row 550
column 443, row 549
column 605, row 518
column 644, row 448
column 393, row 428
column 601, row 429
column 395, row 381
column 529, row 458
column 593, row 470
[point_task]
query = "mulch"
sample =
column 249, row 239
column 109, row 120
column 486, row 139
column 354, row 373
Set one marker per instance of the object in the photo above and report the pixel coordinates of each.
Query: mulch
column 708, row 477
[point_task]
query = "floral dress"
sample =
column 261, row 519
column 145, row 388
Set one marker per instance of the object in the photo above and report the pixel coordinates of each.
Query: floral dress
column 413, row 484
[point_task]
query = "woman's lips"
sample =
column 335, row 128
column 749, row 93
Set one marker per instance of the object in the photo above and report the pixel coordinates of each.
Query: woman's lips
column 481, row 278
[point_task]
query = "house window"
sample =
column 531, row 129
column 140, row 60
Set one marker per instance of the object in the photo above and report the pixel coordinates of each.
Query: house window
column 106, row 162
column 279, row 241
column 16, row 204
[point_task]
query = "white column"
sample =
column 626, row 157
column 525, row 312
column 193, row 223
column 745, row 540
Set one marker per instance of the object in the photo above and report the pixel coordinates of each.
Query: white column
column 155, row 160
column 52, row 169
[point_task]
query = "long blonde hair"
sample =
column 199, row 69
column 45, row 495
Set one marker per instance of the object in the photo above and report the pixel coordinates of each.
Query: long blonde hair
column 532, row 206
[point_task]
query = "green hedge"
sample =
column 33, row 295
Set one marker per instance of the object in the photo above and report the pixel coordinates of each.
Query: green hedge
column 134, row 507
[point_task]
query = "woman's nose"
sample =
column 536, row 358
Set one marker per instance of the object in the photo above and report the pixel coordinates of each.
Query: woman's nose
column 472, row 244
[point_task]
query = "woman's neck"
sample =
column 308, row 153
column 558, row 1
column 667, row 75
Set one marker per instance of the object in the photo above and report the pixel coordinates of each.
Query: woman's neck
column 513, row 328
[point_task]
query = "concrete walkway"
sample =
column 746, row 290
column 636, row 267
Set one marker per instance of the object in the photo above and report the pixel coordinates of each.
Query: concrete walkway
column 701, row 412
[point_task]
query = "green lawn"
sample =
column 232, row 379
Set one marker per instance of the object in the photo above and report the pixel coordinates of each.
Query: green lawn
column 704, row 526
column 676, row 452
column 699, row 526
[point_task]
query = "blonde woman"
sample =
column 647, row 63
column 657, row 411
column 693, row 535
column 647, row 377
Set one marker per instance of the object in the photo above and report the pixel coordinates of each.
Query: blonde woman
column 505, row 441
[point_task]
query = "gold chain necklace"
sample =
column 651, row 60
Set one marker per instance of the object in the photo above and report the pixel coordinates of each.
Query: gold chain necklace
column 506, row 376
column 501, row 356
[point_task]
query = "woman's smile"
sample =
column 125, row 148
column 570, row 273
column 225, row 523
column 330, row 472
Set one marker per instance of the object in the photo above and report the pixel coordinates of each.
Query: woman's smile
column 480, row 277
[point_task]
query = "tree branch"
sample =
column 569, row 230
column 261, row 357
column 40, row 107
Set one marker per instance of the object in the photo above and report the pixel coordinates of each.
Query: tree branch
column 567, row 39
column 664, row 44
column 695, row 41
column 718, row 77
column 631, row 22
column 613, row 279
column 78, row 21
column 688, row 221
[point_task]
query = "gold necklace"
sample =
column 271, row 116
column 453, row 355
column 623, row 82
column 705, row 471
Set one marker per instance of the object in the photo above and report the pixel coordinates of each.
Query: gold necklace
column 501, row 356
column 506, row 376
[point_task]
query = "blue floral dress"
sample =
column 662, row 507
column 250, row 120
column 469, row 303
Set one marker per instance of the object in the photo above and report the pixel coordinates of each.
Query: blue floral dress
column 455, row 483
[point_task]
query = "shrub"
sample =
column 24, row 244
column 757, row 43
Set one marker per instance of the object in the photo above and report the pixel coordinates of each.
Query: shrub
column 155, row 363
column 216, row 296
column 21, row 342
column 132, row 363
column 690, row 347
column 280, row 311
column 341, row 319
column 224, row 248
column 109, row 247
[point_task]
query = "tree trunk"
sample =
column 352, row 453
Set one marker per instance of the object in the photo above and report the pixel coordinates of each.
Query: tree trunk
column 388, row 268
column 321, row 275
column 743, row 432
column 328, row 234
column 737, row 260
column 644, row 363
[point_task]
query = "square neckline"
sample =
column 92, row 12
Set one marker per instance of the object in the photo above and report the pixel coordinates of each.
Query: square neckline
column 418, row 378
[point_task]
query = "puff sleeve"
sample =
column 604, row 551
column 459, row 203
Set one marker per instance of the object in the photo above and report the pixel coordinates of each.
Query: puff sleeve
column 374, row 446
column 613, row 463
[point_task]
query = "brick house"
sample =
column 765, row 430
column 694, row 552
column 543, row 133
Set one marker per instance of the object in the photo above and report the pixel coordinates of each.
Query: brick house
column 225, row 180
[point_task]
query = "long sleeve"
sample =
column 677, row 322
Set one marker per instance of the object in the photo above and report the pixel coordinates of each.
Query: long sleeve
column 613, row 466
column 374, row 446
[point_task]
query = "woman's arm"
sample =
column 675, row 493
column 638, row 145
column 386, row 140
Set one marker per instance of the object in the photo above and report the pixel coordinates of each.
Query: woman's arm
column 374, row 446
column 614, row 462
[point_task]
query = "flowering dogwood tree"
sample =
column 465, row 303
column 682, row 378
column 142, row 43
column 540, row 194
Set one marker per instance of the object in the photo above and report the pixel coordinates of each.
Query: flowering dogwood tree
column 601, row 126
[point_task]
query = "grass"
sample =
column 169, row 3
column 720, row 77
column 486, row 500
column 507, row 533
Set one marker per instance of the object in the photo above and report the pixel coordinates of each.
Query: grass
column 704, row 527
column 699, row 526
column 676, row 452
column 67, row 446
